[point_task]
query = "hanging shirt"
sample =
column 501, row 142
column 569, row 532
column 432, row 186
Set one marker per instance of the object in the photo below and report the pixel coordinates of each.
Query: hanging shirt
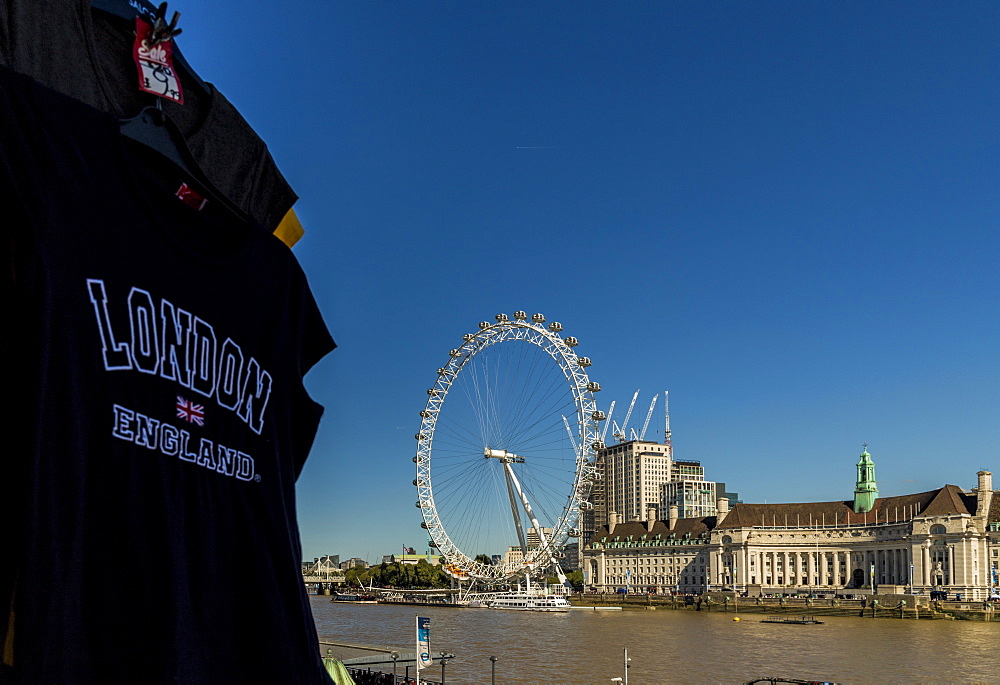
column 159, row 422
column 87, row 55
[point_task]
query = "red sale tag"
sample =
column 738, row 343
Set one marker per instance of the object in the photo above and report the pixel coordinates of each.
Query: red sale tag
column 191, row 197
column 156, row 64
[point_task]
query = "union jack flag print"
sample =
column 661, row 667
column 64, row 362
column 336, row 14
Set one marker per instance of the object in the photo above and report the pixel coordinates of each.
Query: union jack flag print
column 190, row 412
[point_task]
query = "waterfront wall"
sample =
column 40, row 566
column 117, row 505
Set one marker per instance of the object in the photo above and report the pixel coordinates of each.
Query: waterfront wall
column 881, row 606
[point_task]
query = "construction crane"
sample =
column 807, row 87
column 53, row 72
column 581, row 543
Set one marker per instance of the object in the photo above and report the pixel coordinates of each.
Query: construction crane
column 649, row 415
column 607, row 423
column 666, row 422
column 620, row 432
column 569, row 431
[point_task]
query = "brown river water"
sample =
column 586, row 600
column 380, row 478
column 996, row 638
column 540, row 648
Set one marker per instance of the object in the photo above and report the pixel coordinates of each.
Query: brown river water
column 672, row 646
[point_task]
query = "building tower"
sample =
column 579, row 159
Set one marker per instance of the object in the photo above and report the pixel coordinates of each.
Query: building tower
column 866, row 491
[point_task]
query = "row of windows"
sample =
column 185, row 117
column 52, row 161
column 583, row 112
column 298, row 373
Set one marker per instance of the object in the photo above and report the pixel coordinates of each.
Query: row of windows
column 655, row 580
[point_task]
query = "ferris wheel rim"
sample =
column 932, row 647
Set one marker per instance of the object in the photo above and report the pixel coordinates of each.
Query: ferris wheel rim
column 573, row 368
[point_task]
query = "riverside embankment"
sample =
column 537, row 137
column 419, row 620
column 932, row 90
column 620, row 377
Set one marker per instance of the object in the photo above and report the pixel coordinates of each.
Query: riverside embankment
column 877, row 606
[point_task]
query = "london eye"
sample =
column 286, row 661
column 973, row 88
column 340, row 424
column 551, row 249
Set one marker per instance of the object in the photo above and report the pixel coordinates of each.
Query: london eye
column 505, row 450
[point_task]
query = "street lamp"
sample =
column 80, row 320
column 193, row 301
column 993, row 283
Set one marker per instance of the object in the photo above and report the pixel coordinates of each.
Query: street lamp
column 626, row 665
column 395, row 656
column 493, row 670
column 444, row 662
column 925, row 562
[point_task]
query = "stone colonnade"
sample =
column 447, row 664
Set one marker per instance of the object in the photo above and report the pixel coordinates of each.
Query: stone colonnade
column 743, row 565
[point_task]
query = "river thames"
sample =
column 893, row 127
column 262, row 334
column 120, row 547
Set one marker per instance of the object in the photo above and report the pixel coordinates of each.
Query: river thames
column 672, row 646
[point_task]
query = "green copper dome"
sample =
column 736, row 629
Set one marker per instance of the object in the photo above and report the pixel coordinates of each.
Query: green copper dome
column 865, row 491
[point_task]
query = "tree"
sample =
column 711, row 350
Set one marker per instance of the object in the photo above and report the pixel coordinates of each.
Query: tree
column 359, row 575
column 575, row 578
column 422, row 575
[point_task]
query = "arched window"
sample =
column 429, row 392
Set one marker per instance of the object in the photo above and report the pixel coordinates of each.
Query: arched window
column 938, row 529
column 727, row 540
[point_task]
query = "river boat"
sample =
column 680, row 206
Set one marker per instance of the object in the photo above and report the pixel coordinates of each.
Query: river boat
column 529, row 601
column 470, row 603
column 423, row 599
column 795, row 620
column 798, row 681
column 354, row 598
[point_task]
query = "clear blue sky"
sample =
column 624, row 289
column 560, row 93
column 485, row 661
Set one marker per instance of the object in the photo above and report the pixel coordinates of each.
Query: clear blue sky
column 785, row 213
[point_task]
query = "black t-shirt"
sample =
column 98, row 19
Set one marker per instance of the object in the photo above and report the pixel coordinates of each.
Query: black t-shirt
column 87, row 55
column 160, row 418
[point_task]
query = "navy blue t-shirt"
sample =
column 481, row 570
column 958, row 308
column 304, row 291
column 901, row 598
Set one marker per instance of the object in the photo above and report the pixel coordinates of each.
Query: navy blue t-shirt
column 160, row 420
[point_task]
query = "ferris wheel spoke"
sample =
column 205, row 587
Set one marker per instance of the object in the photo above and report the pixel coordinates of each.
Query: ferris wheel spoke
column 538, row 402
column 505, row 416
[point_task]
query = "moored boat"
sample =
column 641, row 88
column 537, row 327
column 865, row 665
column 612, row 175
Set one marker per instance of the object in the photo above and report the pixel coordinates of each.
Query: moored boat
column 529, row 601
column 797, row 620
column 354, row 598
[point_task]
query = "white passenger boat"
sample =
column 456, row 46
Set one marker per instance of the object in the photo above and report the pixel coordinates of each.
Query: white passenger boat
column 524, row 601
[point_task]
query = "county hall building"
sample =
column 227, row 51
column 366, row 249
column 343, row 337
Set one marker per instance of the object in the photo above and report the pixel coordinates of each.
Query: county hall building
column 942, row 540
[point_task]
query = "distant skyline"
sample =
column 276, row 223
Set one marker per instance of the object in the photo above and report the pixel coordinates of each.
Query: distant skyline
column 785, row 214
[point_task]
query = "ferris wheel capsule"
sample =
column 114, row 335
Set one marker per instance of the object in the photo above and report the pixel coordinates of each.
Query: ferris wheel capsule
column 598, row 416
column 571, row 341
column 598, row 445
column 468, row 336
column 583, row 361
column 555, row 327
column 419, row 436
column 538, row 318
column 433, row 392
column 520, row 316
column 483, row 325
column 594, row 386
column 501, row 318
column 455, row 353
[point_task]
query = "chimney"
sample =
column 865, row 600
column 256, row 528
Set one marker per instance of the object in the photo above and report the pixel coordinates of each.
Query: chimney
column 673, row 516
column 650, row 519
column 984, row 493
column 612, row 522
column 722, row 509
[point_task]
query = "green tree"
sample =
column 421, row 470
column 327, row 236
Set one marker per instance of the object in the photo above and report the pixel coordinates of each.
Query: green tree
column 422, row 575
column 358, row 576
column 575, row 578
